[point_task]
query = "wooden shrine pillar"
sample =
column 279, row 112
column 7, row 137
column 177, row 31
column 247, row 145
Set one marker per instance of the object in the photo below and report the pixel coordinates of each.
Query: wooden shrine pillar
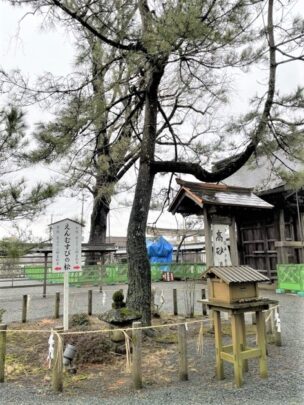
column 233, row 243
column 208, row 240
column 282, row 251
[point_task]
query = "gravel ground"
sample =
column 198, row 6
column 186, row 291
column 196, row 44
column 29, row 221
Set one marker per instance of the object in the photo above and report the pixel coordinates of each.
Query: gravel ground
column 11, row 299
column 285, row 384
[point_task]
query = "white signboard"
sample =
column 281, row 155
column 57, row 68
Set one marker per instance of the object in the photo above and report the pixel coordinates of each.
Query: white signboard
column 66, row 246
column 221, row 252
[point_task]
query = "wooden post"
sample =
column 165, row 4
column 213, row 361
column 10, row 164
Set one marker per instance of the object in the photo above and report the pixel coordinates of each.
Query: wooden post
column 282, row 225
column 175, row 311
column 3, row 328
column 204, row 306
column 261, row 342
column 90, row 302
column 208, row 240
column 45, row 275
column 57, row 365
column 66, row 301
column 57, row 305
column 233, row 243
column 272, row 322
column 209, row 251
column 302, row 235
column 136, row 355
column 24, row 308
column 278, row 336
column 269, row 322
column 282, row 251
column 243, row 339
column 182, row 353
column 218, row 345
column 236, row 332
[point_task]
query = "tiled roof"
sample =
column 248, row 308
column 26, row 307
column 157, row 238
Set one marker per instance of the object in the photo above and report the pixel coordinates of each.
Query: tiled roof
column 216, row 194
column 236, row 274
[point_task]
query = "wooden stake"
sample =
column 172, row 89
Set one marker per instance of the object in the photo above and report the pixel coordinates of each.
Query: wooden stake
column 261, row 341
column 219, row 367
column 204, row 306
column 3, row 328
column 45, row 275
column 57, row 305
column 175, row 311
column 278, row 336
column 236, row 331
column 90, row 302
column 136, row 355
column 66, row 301
column 182, row 353
column 233, row 243
column 57, row 364
column 24, row 308
column 243, row 339
column 208, row 238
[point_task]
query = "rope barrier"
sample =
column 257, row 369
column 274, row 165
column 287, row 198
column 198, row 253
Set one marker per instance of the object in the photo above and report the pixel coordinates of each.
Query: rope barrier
column 58, row 363
column 128, row 352
column 108, row 330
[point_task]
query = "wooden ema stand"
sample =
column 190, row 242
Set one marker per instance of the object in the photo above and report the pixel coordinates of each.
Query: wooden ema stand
column 238, row 352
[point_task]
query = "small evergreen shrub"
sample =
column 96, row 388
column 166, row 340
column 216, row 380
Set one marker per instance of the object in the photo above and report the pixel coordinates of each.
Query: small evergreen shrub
column 118, row 299
column 80, row 320
column 1, row 314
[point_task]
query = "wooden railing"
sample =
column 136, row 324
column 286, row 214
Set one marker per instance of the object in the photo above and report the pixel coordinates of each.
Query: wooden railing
column 282, row 248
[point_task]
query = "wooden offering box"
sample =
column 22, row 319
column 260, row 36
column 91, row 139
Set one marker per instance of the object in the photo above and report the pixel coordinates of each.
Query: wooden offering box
column 232, row 284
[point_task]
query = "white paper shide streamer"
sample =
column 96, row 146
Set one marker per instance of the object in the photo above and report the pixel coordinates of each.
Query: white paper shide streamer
column 51, row 343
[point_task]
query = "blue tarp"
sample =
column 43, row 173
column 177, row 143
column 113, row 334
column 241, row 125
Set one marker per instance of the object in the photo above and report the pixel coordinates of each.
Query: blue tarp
column 160, row 251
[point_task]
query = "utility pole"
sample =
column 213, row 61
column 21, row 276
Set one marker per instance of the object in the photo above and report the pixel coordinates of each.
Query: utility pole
column 82, row 208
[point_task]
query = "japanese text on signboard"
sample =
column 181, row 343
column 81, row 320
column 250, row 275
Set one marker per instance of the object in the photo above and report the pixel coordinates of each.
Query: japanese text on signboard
column 66, row 246
column 221, row 252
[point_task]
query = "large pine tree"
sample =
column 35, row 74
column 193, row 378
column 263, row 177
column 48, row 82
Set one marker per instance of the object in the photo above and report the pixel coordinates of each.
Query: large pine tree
column 191, row 48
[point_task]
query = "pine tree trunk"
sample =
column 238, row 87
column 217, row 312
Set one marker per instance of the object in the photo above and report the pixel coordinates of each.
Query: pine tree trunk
column 98, row 230
column 139, row 270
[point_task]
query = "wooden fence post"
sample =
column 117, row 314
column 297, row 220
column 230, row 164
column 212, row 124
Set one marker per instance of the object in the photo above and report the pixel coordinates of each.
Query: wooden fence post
column 45, row 274
column 175, row 311
column 3, row 328
column 204, row 306
column 182, row 353
column 57, row 364
column 269, row 322
column 136, row 355
column 278, row 336
column 24, row 308
column 90, row 302
column 57, row 305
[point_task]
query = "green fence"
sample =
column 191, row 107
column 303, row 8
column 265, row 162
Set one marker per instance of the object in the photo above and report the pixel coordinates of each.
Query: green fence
column 114, row 273
column 291, row 277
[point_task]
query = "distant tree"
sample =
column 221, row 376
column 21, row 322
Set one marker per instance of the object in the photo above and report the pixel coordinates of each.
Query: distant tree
column 17, row 200
column 93, row 136
column 14, row 247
